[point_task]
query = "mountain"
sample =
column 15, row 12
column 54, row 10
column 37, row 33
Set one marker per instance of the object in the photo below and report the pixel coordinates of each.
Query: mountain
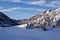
column 22, row 21
column 5, row 21
column 44, row 18
column 41, row 20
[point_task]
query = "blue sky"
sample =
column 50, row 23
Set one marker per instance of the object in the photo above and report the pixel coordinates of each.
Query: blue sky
column 22, row 9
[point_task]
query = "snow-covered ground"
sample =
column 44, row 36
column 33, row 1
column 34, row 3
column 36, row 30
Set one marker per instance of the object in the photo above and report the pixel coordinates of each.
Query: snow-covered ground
column 15, row 33
column 21, row 26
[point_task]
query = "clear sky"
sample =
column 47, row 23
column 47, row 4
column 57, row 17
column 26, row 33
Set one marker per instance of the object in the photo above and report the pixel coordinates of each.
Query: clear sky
column 21, row 9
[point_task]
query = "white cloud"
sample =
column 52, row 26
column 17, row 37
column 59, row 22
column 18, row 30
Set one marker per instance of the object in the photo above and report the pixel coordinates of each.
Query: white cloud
column 9, row 9
column 37, row 2
column 53, row 4
column 40, row 2
column 15, row 0
column 19, row 8
column 12, row 0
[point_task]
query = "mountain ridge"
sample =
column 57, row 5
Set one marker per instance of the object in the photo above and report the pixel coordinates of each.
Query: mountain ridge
column 49, row 17
column 5, row 21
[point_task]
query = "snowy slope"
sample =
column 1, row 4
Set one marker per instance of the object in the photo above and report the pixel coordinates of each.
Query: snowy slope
column 21, row 26
column 13, row 33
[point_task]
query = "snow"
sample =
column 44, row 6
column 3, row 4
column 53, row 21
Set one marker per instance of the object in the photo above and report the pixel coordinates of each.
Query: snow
column 21, row 26
column 15, row 33
column 57, row 9
column 56, row 18
column 47, row 12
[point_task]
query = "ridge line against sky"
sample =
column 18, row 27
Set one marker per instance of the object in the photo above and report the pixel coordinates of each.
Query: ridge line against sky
column 26, row 8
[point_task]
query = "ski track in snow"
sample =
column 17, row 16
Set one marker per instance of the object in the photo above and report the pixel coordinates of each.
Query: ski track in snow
column 14, row 33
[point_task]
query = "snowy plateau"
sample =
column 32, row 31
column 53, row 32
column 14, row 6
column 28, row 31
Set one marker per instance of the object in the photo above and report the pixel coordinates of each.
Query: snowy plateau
column 18, row 33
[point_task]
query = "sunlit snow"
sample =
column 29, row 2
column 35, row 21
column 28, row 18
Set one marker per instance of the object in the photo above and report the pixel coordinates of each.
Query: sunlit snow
column 21, row 26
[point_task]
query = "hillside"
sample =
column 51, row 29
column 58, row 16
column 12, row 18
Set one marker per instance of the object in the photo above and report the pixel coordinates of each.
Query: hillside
column 5, row 21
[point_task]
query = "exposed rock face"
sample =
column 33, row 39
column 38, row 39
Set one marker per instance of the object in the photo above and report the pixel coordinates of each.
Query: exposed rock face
column 5, row 21
column 51, row 17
